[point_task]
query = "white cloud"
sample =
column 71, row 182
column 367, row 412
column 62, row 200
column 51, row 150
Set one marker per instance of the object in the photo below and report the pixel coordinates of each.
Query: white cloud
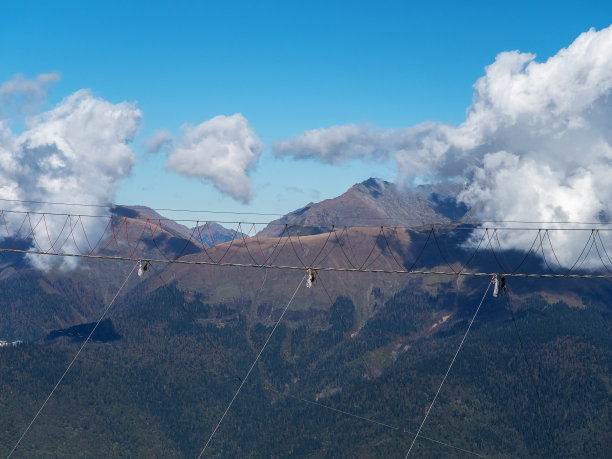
column 76, row 152
column 221, row 150
column 536, row 143
column 338, row 144
column 25, row 96
column 161, row 140
column 542, row 138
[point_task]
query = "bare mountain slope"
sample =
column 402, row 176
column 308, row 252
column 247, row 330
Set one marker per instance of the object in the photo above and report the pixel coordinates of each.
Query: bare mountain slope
column 208, row 234
column 374, row 202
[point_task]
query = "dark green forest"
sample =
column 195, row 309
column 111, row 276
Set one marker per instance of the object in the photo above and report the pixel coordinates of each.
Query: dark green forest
column 161, row 387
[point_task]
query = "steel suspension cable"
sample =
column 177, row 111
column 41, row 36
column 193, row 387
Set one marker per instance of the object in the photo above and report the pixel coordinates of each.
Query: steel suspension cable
column 530, row 372
column 373, row 421
column 246, row 377
column 449, row 369
column 71, row 362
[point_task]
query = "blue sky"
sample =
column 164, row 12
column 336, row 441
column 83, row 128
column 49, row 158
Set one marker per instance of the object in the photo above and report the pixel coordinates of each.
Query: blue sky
column 287, row 67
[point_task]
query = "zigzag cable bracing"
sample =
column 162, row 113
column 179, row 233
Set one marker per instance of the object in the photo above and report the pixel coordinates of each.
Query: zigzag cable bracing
column 123, row 238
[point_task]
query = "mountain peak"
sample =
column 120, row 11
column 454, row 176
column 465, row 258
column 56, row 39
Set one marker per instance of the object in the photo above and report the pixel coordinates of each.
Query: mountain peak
column 373, row 202
column 374, row 186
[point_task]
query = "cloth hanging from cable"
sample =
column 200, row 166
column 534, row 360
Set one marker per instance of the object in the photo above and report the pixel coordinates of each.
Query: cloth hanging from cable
column 310, row 277
column 495, row 285
column 142, row 268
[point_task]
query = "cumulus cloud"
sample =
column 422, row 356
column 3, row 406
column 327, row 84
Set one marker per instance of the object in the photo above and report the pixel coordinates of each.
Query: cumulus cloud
column 76, row 152
column 161, row 140
column 25, row 96
column 221, row 150
column 536, row 143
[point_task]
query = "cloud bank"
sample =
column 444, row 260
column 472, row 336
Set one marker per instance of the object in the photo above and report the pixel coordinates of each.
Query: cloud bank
column 536, row 143
column 221, row 150
column 76, row 152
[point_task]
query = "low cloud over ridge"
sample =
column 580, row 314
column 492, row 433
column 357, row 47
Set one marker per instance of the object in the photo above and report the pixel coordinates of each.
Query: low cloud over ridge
column 76, row 152
column 536, row 143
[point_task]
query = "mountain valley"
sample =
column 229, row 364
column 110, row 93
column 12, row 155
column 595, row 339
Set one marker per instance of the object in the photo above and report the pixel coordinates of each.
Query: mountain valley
column 351, row 368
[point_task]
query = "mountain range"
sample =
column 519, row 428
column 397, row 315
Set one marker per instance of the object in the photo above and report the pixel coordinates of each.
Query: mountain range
column 349, row 371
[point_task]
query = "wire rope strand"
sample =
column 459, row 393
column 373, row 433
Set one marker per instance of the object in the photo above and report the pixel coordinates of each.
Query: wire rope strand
column 71, row 362
column 606, row 226
column 246, row 377
column 531, row 374
column 348, row 241
column 599, row 253
column 501, row 250
column 489, row 237
column 416, row 260
column 603, row 246
column 246, row 247
column 276, row 251
column 373, row 421
column 528, row 252
column 449, row 369
column 440, row 250
column 293, row 248
column 588, row 253
column 201, row 241
column 314, row 260
column 360, row 354
column 473, row 255
column 342, row 248
column 371, row 250
column 329, row 252
column 552, row 249
column 422, row 272
column 393, row 255
column 463, row 220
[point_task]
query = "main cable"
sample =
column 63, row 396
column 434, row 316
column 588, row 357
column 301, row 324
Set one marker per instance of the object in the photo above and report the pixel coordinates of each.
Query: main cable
column 449, row 369
column 244, row 380
column 373, row 379
column 114, row 205
column 456, row 225
column 321, row 268
column 72, row 362
column 466, row 219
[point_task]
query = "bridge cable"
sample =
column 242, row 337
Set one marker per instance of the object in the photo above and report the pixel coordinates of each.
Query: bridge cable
column 373, row 421
column 72, row 362
column 246, row 377
column 531, row 373
column 449, row 368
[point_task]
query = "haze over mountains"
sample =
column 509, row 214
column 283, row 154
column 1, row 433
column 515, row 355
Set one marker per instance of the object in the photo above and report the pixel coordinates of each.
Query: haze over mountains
column 531, row 380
